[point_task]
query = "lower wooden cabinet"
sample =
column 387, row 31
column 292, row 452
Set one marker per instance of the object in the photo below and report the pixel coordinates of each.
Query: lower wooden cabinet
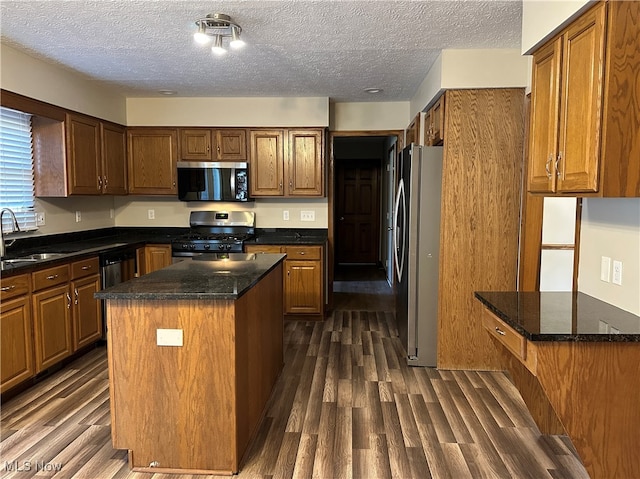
column 153, row 257
column 46, row 316
column 52, row 322
column 87, row 311
column 16, row 342
column 303, row 277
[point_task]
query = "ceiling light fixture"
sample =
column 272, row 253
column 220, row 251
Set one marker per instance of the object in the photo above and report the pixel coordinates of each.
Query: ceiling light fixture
column 373, row 91
column 215, row 27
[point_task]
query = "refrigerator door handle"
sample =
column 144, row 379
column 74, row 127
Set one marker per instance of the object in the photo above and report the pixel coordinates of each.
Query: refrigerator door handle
column 396, row 240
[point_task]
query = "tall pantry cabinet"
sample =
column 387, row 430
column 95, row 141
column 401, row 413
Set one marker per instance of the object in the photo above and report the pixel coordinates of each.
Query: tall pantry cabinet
column 482, row 164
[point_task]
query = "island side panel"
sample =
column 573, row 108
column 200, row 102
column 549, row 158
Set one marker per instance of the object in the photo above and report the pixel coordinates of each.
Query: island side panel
column 173, row 405
column 259, row 353
column 594, row 389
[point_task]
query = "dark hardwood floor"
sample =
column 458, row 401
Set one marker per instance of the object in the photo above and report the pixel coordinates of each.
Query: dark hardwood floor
column 345, row 406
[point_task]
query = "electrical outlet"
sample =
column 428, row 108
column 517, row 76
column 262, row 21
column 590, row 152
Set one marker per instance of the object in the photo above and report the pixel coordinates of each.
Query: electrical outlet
column 308, row 215
column 40, row 219
column 605, row 269
column 617, row 272
column 78, row 216
column 285, row 215
column 151, row 214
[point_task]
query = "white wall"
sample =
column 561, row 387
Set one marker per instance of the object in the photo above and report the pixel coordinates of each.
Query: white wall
column 43, row 81
column 541, row 19
column 611, row 227
column 132, row 211
column 240, row 112
column 362, row 116
column 481, row 68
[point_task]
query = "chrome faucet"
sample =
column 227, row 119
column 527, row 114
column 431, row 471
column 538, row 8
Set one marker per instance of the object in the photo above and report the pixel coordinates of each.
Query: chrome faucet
column 14, row 229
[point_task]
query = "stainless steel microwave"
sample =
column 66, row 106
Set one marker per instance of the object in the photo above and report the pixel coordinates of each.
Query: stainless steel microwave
column 213, row 181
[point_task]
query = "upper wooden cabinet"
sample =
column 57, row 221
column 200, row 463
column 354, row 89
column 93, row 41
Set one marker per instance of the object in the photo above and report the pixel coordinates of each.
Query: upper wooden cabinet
column 287, row 162
column 207, row 144
column 152, row 160
column 434, row 123
column 114, row 159
column 584, row 134
column 78, row 156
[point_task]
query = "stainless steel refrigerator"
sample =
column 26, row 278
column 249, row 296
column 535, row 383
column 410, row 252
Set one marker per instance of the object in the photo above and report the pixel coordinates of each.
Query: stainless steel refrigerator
column 417, row 247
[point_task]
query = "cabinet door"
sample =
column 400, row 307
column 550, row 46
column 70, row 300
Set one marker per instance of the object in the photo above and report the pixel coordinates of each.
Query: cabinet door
column 87, row 311
column 195, row 144
column 152, row 155
column 305, row 169
column 267, row 163
column 231, row 144
column 83, row 154
column 545, row 107
column 52, row 322
column 437, row 122
column 16, row 348
column 428, row 128
column 156, row 257
column 581, row 103
column 303, row 287
column 114, row 159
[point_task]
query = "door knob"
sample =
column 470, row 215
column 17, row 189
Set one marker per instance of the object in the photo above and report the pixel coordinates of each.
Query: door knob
column 342, row 218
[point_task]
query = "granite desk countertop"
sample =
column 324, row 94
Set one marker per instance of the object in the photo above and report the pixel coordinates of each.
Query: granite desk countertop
column 206, row 276
column 562, row 316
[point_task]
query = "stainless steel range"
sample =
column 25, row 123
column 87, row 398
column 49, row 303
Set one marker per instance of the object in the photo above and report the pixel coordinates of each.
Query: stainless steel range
column 215, row 232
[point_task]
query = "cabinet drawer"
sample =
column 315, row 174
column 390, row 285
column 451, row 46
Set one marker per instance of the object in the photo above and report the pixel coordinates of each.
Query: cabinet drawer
column 514, row 342
column 50, row 277
column 85, row 267
column 303, row 252
column 14, row 286
column 250, row 248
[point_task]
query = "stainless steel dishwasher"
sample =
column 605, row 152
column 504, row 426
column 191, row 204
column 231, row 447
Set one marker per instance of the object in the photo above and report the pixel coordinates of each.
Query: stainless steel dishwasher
column 116, row 266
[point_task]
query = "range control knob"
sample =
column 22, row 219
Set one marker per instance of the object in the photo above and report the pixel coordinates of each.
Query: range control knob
column 228, row 246
column 192, row 246
column 220, row 246
column 207, row 246
column 185, row 246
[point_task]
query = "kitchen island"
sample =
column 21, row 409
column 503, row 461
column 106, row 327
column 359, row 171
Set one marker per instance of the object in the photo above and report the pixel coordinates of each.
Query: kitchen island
column 194, row 351
column 576, row 361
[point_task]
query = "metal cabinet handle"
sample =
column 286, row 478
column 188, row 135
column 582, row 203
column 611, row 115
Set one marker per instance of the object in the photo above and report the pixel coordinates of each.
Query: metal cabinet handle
column 75, row 290
column 84, row 268
column 301, row 252
column 500, row 331
column 8, row 288
column 99, row 183
column 106, row 181
column 546, row 165
column 68, row 301
column 218, row 147
column 557, row 164
column 52, row 276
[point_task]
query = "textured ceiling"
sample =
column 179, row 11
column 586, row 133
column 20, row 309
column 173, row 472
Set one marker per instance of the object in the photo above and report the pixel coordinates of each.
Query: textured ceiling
column 326, row 48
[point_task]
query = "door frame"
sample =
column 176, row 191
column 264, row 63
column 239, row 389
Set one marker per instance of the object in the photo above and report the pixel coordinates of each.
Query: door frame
column 331, row 173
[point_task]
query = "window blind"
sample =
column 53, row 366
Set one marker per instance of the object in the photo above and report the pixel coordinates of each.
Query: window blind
column 16, row 168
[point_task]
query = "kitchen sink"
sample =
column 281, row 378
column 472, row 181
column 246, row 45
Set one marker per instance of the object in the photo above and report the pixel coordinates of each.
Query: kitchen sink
column 38, row 257
column 32, row 258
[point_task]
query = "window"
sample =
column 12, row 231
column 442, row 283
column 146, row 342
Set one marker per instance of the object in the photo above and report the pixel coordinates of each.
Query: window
column 16, row 168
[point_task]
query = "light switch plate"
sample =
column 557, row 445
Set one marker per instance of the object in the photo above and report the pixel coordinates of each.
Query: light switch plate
column 605, row 269
column 617, row 272
column 309, row 215
column 169, row 337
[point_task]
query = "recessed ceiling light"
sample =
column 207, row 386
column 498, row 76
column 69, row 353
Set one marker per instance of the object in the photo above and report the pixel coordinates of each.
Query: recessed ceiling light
column 373, row 91
column 167, row 92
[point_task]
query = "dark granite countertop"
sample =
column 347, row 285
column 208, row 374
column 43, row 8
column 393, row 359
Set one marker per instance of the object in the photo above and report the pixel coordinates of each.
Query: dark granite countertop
column 283, row 236
column 560, row 316
column 208, row 276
